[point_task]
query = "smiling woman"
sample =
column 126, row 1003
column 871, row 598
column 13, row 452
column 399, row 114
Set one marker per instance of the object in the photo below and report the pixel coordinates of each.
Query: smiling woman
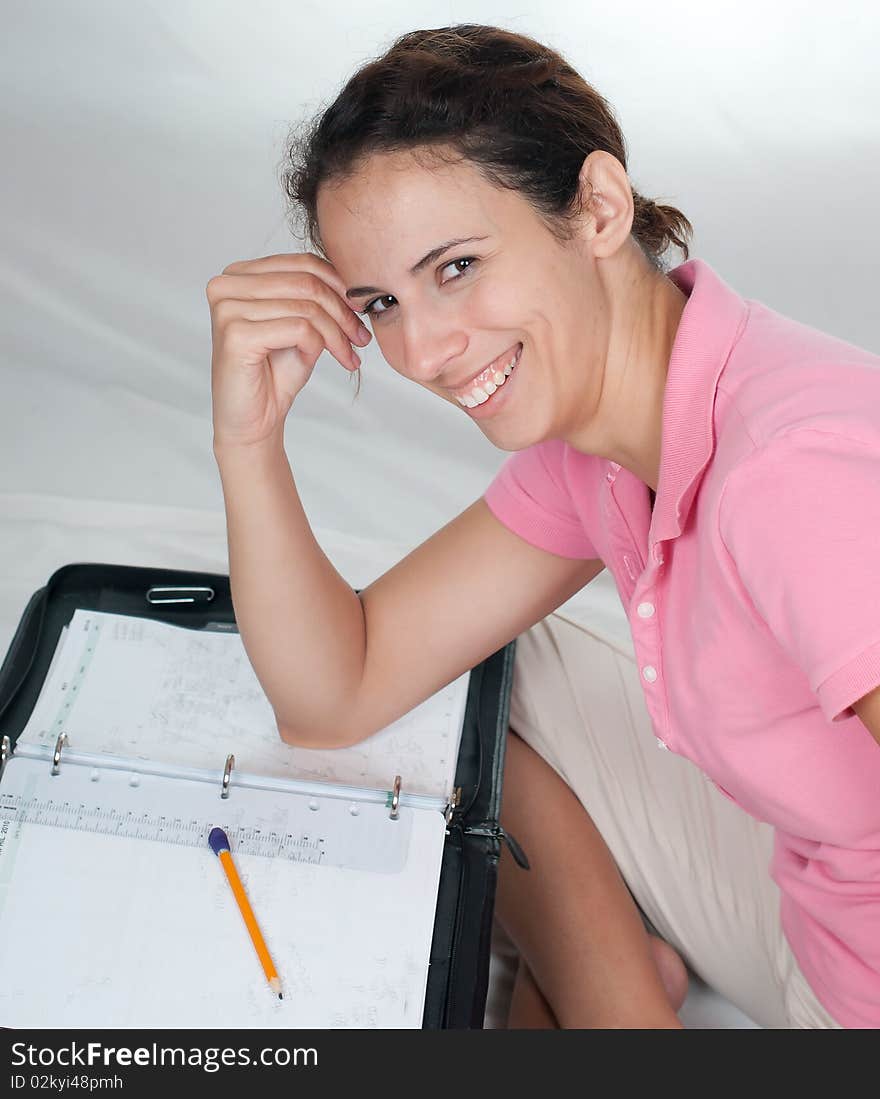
column 468, row 192
column 528, row 131
column 466, row 266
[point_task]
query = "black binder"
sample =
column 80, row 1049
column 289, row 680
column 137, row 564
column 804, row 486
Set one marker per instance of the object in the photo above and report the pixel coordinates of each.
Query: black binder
column 459, row 961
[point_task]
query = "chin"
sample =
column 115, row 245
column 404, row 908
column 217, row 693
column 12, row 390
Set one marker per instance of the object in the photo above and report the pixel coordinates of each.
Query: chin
column 505, row 437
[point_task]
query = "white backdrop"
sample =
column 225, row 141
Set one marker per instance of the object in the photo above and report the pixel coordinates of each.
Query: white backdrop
column 140, row 150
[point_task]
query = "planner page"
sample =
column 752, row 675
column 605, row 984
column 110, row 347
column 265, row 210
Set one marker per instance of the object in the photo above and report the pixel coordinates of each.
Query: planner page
column 101, row 929
column 139, row 688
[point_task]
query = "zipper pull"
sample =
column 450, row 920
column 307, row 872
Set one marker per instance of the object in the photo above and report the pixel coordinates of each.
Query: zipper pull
column 515, row 849
column 486, row 829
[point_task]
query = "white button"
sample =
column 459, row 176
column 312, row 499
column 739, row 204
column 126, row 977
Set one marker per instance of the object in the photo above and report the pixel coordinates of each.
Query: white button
column 662, row 744
column 649, row 672
column 645, row 610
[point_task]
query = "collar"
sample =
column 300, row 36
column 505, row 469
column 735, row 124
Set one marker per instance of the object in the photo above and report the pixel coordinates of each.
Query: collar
column 709, row 327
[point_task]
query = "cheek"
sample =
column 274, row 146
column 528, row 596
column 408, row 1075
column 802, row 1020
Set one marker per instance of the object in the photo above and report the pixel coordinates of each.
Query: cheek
column 388, row 348
column 496, row 303
column 537, row 301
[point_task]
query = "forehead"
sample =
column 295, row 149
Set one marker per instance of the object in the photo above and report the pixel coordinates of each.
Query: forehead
column 404, row 199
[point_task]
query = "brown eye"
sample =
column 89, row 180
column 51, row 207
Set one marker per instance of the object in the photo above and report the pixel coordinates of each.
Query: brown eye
column 465, row 259
column 370, row 312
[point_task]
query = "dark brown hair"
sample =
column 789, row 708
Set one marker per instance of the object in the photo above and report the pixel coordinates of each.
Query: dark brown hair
column 512, row 107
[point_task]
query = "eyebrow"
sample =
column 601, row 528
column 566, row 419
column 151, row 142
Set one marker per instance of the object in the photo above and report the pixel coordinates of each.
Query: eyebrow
column 429, row 257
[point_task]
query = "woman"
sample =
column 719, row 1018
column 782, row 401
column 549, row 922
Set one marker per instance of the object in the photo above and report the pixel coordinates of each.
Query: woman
column 468, row 192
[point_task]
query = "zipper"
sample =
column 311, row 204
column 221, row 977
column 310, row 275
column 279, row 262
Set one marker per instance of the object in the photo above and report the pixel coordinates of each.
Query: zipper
column 36, row 606
column 451, row 999
column 490, row 830
column 496, row 832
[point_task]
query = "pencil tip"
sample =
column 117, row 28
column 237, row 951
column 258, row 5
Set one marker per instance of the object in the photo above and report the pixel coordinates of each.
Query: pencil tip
column 280, row 997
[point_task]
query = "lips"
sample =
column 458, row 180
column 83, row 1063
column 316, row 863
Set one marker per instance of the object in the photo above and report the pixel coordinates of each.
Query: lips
column 496, row 365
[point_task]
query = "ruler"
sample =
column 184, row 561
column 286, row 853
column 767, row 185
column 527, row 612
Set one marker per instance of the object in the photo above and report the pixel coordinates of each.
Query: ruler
column 297, row 827
column 150, row 825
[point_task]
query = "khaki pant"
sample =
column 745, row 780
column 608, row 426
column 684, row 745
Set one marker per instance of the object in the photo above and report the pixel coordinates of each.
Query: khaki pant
column 695, row 862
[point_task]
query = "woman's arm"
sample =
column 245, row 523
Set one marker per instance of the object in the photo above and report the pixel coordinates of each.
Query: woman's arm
column 868, row 712
column 466, row 591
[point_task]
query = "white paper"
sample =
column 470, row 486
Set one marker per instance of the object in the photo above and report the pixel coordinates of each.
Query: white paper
column 135, row 687
column 101, row 930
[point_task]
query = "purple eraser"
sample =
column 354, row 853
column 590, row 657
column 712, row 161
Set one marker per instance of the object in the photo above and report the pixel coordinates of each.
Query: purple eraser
column 218, row 840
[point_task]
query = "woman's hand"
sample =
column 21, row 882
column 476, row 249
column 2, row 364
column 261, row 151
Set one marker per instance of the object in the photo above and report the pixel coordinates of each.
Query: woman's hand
column 270, row 320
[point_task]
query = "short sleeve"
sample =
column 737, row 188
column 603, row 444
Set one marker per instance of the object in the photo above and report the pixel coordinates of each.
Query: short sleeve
column 801, row 521
column 529, row 494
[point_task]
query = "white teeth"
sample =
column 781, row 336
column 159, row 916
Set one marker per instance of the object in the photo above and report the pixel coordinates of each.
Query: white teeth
column 481, row 394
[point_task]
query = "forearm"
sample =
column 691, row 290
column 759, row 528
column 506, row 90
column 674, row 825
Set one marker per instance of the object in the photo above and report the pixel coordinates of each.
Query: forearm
column 301, row 624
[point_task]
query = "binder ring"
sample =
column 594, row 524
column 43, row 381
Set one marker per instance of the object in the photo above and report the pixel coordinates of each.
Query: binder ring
column 56, row 755
column 395, row 799
column 5, row 748
column 227, row 773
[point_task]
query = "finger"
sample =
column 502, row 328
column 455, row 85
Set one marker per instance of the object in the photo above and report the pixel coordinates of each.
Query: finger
column 290, row 286
column 339, row 342
column 285, row 285
column 290, row 261
column 275, row 321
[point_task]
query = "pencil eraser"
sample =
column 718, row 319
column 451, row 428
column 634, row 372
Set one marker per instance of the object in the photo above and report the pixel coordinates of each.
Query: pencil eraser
column 218, row 840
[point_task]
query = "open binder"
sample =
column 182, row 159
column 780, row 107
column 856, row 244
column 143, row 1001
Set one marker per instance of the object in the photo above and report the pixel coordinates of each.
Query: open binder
column 378, row 891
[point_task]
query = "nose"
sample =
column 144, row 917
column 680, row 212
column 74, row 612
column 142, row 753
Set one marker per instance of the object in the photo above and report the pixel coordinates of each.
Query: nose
column 430, row 345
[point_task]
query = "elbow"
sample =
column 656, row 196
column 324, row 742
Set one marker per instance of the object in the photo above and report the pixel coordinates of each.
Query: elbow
column 298, row 738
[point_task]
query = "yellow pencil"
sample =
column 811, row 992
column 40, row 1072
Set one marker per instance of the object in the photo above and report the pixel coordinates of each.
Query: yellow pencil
column 219, row 843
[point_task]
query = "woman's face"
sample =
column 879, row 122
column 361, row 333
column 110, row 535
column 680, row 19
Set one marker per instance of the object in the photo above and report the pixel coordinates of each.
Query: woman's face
column 511, row 289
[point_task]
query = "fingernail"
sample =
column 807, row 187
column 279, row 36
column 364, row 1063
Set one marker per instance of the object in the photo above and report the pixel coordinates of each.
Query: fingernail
column 356, row 359
column 363, row 332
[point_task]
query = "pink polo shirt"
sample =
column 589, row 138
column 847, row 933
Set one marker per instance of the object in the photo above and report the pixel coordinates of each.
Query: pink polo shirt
column 753, row 596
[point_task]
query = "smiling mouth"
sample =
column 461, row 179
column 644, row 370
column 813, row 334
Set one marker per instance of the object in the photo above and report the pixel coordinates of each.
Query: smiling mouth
column 493, row 377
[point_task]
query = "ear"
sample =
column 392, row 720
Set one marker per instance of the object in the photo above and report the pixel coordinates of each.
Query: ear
column 608, row 207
